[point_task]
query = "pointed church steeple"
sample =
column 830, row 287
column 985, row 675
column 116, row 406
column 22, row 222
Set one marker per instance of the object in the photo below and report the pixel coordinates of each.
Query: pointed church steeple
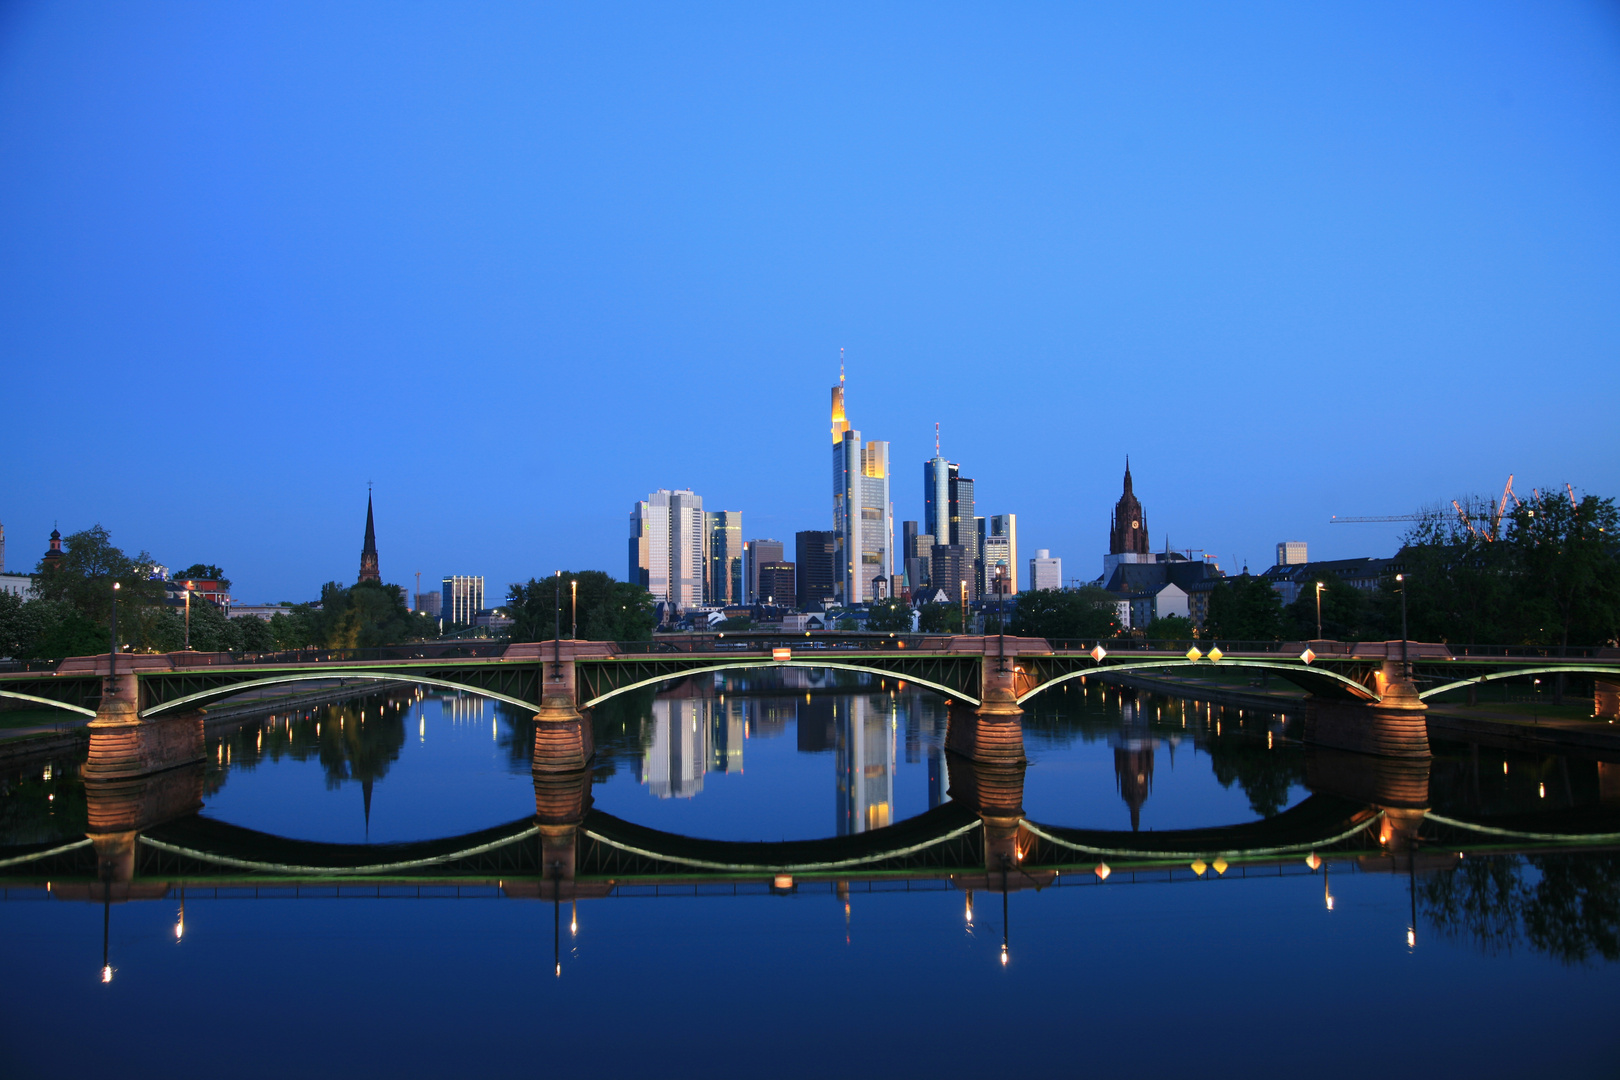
column 368, row 554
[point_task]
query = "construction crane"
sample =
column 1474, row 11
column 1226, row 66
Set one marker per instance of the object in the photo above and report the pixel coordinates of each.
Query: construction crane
column 1496, row 511
column 1337, row 520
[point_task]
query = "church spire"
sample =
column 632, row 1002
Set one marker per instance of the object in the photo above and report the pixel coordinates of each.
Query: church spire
column 368, row 553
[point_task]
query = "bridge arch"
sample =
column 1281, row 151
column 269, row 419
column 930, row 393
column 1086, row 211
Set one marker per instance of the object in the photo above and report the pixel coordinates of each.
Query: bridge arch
column 1564, row 669
column 740, row 664
column 1290, row 671
column 215, row 693
column 80, row 709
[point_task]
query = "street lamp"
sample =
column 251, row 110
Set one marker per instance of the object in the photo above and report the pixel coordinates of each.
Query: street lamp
column 189, row 586
column 1320, row 585
column 1406, row 663
column 112, row 650
column 573, row 588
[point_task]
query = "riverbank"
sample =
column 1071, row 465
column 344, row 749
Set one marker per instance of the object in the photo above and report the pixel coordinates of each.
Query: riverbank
column 51, row 738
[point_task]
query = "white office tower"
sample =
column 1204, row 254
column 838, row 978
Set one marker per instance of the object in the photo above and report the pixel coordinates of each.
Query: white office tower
column 667, row 546
column 863, row 526
column 1045, row 572
column 1003, row 534
column 1292, row 553
column 673, row 766
column 461, row 596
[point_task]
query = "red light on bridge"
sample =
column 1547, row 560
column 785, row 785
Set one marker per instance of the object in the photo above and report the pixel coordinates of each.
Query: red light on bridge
column 781, row 654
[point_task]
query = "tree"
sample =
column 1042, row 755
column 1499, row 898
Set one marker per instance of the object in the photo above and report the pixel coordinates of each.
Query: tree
column 1058, row 614
column 1569, row 555
column 889, row 616
column 1244, row 608
column 609, row 610
column 940, row 619
column 360, row 616
column 1344, row 609
column 293, row 628
column 1170, row 628
column 85, row 574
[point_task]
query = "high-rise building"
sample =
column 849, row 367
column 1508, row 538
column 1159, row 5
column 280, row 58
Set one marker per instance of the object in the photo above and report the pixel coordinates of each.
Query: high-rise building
column 668, row 525
column 963, row 524
column 950, row 570
column 937, row 495
column 640, row 535
column 723, row 530
column 920, row 565
column 862, row 514
column 1004, row 527
column 1045, row 572
column 461, row 597
column 1289, row 553
column 755, row 554
column 908, row 539
column 1127, row 533
column 368, row 553
column 430, row 603
column 776, row 585
column 815, row 566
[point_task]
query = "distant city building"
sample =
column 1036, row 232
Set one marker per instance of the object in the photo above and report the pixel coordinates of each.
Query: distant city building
column 936, row 496
column 461, row 598
column 756, row 553
column 1004, row 530
column 666, row 531
column 722, row 530
column 1157, row 585
column 264, row 612
column 1292, row 553
column 1128, row 533
column 430, row 603
column 815, row 567
column 964, row 524
column 950, row 570
column 53, row 555
column 18, row 585
column 776, row 584
column 862, row 512
column 1045, row 572
column 368, row 553
column 1367, row 574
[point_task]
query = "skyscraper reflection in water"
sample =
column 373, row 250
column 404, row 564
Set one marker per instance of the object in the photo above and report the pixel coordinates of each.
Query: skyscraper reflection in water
column 692, row 736
column 866, row 728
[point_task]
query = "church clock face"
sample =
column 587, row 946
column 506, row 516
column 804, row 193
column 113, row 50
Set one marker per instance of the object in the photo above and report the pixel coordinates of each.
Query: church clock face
column 1134, row 524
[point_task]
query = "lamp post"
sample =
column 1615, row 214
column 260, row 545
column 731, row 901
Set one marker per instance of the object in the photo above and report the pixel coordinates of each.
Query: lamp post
column 1406, row 663
column 573, row 588
column 1320, row 585
column 1001, row 617
column 556, row 627
column 112, row 649
column 189, row 585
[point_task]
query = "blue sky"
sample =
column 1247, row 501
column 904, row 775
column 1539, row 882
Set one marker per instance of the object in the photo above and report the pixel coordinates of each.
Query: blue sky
column 520, row 265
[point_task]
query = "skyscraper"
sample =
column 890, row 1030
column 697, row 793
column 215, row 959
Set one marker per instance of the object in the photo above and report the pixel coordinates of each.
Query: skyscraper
column 368, row 553
column 775, row 584
column 756, row 553
column 1003, row 536
column 723, row 529
column 815, row 567
column 862, row 515
column 1045, row 572
column 461, row 597
column 1289, row 553
column 964, row 529
column 640, row 534
column 937, row 495
column 671, row 524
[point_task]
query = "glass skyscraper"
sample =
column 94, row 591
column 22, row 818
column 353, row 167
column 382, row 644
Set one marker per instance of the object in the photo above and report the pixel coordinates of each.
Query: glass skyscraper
column 863, row 527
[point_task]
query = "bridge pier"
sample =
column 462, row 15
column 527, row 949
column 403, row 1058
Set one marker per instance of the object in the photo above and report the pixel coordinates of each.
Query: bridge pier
column 563, row 742
column 561, row 801
column 993, row 733
column 1606, row 699
column 1367, row 729
column 124, row 745
column 1399, row 786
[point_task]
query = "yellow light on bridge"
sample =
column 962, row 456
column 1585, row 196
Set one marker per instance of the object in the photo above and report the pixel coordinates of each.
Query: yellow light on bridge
column 1198, row 867
column 1215, row 654
column 1220, row 865
column 783, row 881
column 1193, row 654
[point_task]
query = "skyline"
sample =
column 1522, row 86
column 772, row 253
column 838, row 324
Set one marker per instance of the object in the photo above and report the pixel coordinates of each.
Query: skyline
column 1293, row 263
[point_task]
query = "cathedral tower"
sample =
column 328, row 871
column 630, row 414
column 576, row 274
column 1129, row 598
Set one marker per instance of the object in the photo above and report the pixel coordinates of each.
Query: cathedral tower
column 368, row 554
column 1128, row 532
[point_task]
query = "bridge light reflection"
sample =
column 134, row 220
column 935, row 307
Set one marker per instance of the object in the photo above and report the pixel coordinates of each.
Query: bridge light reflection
column 573, row 919
column 106, row 973
column 970, row 909
column 1003, row 954
column 1411, row 938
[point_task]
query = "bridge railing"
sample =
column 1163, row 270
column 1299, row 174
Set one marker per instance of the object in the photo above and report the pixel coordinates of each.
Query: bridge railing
column 422, row 650
column 7, row 666
column 745, row 642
